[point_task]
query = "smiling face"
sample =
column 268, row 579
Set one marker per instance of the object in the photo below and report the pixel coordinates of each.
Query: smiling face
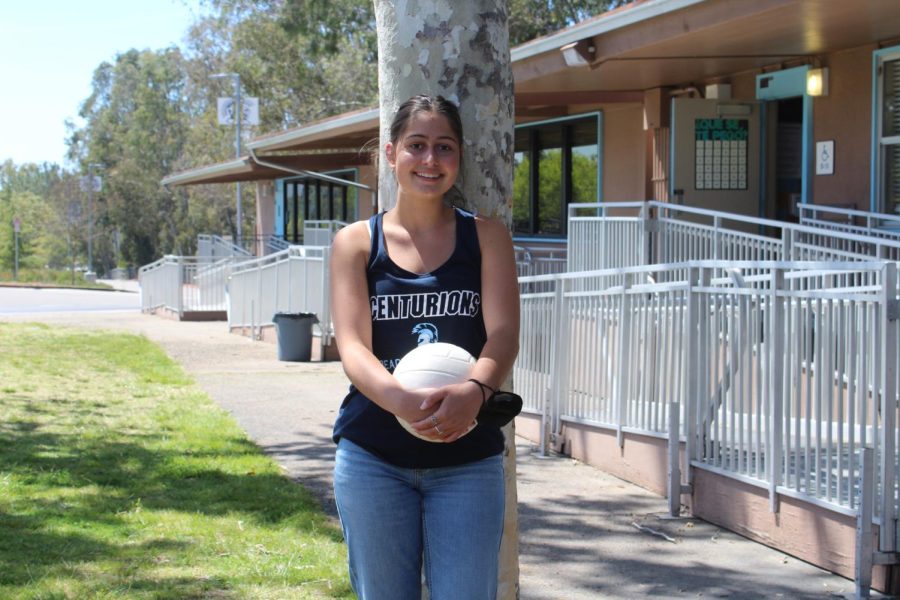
column 425, row 157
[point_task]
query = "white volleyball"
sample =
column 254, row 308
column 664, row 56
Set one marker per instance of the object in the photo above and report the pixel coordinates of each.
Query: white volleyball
column 433, row 366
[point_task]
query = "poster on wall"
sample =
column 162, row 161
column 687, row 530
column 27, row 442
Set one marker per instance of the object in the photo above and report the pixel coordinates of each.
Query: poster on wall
column 720, row 154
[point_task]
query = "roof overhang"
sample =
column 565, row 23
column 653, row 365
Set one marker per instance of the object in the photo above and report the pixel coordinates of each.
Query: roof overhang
column 665, row 43
column 349, row 130
column 246, row 169
column 612, row 58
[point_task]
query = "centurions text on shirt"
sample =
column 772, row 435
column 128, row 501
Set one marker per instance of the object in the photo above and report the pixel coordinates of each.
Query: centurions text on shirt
column 427, row 305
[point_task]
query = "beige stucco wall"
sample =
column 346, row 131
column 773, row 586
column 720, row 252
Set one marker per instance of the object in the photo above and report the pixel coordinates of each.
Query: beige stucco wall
column 624, row 154
column 367, row 176
column 845, row 116
column 265, row 211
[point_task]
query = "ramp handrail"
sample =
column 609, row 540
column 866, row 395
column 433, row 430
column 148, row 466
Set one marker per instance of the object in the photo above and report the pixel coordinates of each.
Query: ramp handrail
column 876, row 225
column 216, row 246
column 781, row 372
column 320, row 233
column 622, row 234
column 186, row 283
column 292, row 280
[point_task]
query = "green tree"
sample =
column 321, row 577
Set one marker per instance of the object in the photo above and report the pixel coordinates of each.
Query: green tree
column 30, row 192
column 152, row 113
column 32, row 211
column 136, row 122
column 529, row 19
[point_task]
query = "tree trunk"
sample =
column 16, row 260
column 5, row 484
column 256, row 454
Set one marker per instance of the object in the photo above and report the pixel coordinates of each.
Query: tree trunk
column 459, row 50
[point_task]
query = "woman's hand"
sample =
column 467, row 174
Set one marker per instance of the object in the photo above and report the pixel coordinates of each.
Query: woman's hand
column 413, row 407
column 451, row 411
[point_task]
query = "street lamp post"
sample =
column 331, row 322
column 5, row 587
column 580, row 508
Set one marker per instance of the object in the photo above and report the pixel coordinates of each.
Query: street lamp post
column 236, row 80
column 90, row 240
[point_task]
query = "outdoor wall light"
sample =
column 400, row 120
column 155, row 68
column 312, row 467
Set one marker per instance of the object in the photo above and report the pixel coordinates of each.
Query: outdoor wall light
column 817, row 82
column 578, row 54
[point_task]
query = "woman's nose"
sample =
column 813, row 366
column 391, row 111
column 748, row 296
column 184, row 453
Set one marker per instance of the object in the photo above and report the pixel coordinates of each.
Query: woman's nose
column 430, row 156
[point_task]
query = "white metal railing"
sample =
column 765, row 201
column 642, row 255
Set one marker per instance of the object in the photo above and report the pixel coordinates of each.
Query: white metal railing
column 185, row 284
column 606, row 234
column 540, row 260
column 214, row 246
column 860, row 222
column 777, row 373
column 320, row 233
column 291, row 281
column 624, row 234
column 160, row 284
column 276, row 244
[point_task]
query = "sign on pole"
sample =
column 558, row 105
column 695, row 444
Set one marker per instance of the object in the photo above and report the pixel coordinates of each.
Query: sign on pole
column 17, row 224
column 249, row 111
column 85, row 183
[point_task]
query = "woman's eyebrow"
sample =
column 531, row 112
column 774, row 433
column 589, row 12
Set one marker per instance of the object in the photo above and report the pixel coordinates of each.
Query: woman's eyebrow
column 422, row 135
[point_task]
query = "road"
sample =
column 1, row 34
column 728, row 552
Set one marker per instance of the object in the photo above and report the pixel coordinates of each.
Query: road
column 22, row 301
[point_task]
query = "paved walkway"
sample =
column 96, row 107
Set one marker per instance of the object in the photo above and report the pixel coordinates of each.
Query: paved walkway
column 578, row 526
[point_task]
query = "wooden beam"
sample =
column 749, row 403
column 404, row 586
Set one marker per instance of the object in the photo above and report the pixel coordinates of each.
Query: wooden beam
column 542, row 112
column 567, row 97
column 675, row 25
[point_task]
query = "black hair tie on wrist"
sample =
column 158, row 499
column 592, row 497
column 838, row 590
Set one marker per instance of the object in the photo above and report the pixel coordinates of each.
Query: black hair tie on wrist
column 499, row 408
column 484, row 394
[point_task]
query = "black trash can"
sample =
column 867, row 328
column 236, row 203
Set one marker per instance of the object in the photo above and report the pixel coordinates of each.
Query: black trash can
column 294, row 332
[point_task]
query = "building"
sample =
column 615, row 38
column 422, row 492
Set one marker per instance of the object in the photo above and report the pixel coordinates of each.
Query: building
column 753, row 108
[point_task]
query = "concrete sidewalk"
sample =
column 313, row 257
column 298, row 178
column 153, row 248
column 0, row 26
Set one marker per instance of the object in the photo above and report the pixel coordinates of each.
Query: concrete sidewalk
column 583, row 534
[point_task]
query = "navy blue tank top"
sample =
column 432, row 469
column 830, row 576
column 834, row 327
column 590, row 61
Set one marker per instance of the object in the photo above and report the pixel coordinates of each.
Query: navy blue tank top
column 409, row 309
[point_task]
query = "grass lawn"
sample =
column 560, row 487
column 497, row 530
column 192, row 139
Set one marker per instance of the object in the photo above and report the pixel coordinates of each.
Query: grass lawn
column 50, row 277
column 119, row 478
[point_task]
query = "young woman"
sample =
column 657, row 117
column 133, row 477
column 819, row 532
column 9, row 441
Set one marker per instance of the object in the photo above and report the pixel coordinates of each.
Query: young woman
column 422, row 272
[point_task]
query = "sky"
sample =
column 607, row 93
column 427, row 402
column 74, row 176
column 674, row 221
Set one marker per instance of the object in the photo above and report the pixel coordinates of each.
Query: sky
column 48, row 52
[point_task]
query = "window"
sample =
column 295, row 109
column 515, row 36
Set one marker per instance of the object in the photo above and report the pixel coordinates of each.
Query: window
column 886, row 192
column 555, row 163
column 313, row 199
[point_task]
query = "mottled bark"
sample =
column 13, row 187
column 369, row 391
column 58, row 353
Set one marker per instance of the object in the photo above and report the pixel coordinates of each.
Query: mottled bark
column 459, row 50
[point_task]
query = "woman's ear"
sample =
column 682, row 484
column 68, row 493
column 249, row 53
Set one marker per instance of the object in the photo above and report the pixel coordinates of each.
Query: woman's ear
column 389, row 154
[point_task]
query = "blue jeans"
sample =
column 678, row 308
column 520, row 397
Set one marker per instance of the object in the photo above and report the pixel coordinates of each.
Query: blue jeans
column 392, row 517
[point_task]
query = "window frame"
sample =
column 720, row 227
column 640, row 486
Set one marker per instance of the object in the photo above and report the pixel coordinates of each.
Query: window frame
column 303, row 197
column 533, row 152
column 880, row 143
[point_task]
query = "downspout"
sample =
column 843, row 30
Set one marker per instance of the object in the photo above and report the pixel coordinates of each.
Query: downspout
column 263, row 163
column 314, row 175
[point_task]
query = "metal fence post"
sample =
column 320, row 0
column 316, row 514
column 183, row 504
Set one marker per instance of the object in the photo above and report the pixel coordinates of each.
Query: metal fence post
column 257, row 318
column 674, row 470
column 179, row 282
column 554, row 393
column 717, row 238
column 692, row 365
column 325, row 322
column 624, row 344
column 864, row 550
column 776, row 386
column 229, row 310
column 604, row 241
column 888, row 384
column 645, row 234
column 559, row 400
